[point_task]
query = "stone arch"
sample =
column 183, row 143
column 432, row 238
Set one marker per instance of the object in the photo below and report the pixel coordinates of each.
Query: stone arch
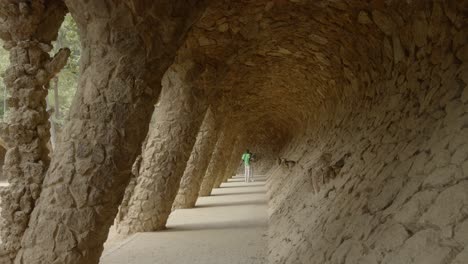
column 364, row 104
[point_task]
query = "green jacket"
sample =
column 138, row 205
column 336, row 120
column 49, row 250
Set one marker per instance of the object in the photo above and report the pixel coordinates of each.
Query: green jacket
column 246, row 158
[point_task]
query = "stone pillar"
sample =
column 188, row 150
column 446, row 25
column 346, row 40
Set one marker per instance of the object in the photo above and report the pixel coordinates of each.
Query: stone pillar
column 232, row 157
column 197, row 164
column 123, row 60
column 123, row 208
column 165, row 156
column 218, row 160
column 235, row 160
column 28, row 28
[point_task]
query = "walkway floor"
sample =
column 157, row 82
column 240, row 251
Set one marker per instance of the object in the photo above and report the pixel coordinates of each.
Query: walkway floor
column 228, row 227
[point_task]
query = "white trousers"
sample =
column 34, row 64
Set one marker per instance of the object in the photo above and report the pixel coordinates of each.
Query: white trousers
column 248, row 173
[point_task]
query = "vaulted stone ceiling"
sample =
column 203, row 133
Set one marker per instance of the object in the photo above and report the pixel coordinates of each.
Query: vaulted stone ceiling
column 287, row 59
column 367, row 98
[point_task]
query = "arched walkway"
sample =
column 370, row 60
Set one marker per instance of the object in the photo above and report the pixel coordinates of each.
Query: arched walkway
column 357, row 111
column 230, row 226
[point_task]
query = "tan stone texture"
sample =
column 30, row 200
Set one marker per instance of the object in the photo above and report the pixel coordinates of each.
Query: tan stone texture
column 356, row 110
column 219, row 160
column 179, row 115
column 197, row 164
column 120, row 80
column 27, row 30
column 379, row 178
column 233, row 161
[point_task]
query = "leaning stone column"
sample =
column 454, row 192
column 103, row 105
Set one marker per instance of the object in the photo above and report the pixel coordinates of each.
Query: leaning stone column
column 28, row 29
column 123, row 208
column 167, row 151
column 197, row 164
column 218, row 160
column 123, row 60
column 235, row 160
column 224, row 170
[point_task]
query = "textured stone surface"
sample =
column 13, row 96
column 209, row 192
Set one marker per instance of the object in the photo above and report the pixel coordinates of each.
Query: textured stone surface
column 197, row 164
column 235, row 158
column 364, row 103
column 232, row 161
column 400, row 195
column 219, row 160
column 123, row 208
column 28, row 30
column 179, row 115
column 119, row 83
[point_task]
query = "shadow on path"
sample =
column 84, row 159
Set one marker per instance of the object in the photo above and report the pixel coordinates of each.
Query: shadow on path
column 216, row 226
column 236, row 185
column 250, row 202
column 228, row 227
column 237, row 193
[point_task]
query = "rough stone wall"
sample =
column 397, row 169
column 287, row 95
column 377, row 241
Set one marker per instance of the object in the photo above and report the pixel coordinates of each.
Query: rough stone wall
column 178, row 119
column 384, row 179
column 197, row 164
column 371, row 96
column 28, row 29
column 266, row 155
column 122, row 63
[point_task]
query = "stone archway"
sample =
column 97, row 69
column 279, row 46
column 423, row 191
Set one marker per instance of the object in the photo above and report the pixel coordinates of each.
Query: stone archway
column 363, row 104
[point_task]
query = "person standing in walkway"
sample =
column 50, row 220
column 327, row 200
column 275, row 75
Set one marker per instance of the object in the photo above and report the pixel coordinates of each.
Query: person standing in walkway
column 247, row 157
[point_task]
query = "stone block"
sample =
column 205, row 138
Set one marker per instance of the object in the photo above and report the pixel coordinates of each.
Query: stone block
column 422, row 248
column 447, row 208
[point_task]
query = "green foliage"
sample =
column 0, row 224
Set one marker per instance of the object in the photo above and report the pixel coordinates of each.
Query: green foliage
column 68, row 78
column 4, row 62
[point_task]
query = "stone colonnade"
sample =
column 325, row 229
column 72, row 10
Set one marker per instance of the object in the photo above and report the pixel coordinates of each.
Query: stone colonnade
column 197, row 165
column 219, row 159
column 178, row 118
column 120, row 80
column 233, row 160
column 370, row 98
